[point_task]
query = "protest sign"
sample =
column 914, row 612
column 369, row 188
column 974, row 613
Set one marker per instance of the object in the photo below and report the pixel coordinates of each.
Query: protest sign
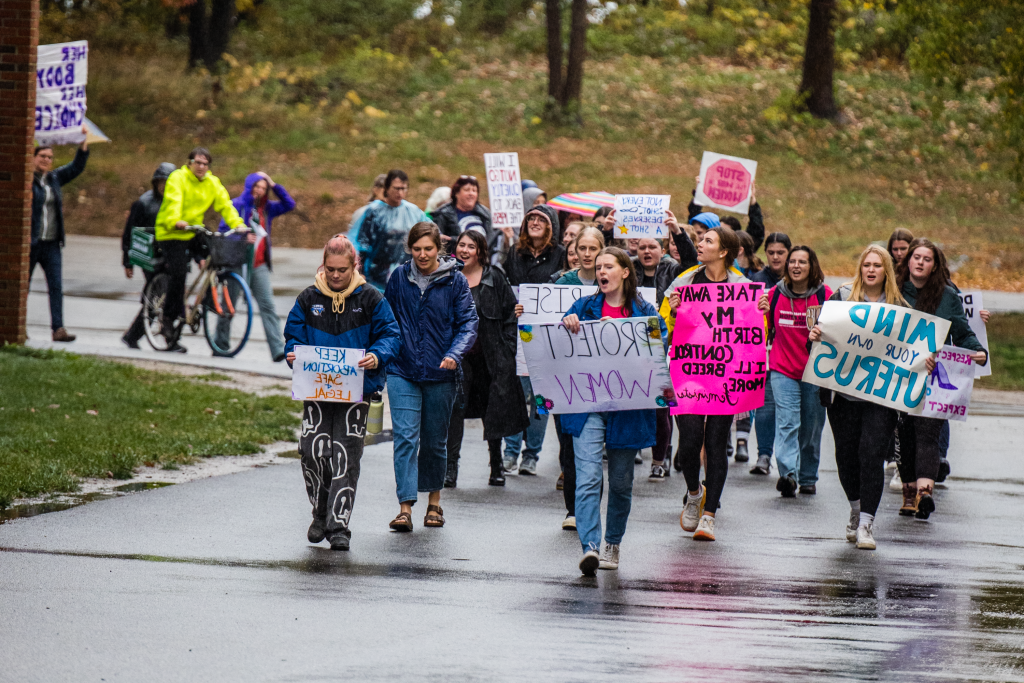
column 725, row 182
column 323, row 373
column 973, row 306
column 717, row 358
column 875, row 352
column 950, row 385
column 61, row 75
column 608, row 365
column 549, row 303
column 505, row 189
column 641, row 215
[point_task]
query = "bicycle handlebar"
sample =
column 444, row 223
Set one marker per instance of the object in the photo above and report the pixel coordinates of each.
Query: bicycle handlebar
column 209, row 233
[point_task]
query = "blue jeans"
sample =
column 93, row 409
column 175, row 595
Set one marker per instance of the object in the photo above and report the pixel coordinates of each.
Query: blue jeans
column 47, row 254
column 263, row 294
column 590, row 482
column 420, row 413
column 764, row 422
column 534, row 433
column 799, row 419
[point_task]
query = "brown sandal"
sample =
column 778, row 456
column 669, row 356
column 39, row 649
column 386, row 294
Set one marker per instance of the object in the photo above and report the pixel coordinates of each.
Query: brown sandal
column 403, row 522
column 434, row 516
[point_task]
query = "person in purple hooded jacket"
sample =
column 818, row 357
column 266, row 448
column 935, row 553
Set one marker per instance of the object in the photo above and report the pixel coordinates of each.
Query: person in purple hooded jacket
column 259, row 211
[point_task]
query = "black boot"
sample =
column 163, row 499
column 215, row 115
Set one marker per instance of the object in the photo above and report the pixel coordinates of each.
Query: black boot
column 497, row 477
column 451, row 476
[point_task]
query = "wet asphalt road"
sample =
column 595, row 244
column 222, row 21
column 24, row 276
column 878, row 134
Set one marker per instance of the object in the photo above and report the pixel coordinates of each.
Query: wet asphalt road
column 213, row 580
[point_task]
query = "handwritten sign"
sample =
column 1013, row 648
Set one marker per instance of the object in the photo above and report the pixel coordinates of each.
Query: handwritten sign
column 550, row 303
column 725, row 182
column 875, row 352
column 505, row 189
column 61, row 75
column 641, row 215
column 950, row 385
column 324, row 373
column 973, row 306
column 718, row 359
column 608, row 365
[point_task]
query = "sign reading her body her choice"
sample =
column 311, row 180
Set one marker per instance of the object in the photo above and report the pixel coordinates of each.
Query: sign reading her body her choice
column 717, row 359
column 973, row 305
column 61, row 76
column 504, row 189
column 641, row 215
column 608, row 365
column 950, row 385
column 725, row 182
column 323, row 373
column 875, row 352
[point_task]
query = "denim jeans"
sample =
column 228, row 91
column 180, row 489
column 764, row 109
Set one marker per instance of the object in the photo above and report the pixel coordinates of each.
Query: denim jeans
column 47, row 254
column 799, row 419
column 420, row 413
column 263, row 294
column 534, row 433
column 764, row 422
column 590, row 482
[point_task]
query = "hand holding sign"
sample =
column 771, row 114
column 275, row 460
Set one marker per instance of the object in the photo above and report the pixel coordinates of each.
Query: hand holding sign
column 725, row 182
column 322, row 373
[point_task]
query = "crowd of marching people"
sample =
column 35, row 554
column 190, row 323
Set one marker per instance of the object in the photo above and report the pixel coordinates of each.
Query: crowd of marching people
column 430, row 295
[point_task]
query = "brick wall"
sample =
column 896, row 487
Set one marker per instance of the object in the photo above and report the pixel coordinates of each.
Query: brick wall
column 19, row 37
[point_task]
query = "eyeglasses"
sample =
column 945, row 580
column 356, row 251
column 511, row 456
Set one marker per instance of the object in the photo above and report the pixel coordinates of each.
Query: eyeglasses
column 468, row 177
column 196, row 162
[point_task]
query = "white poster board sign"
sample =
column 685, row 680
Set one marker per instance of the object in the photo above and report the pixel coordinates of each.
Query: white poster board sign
column 973, row 305
column 641, row 215
column 324, row 373
column 608, row 365
column 505, row 189
column 949, row 388
column 875, row 352
column 725, row 182
column 61, row 75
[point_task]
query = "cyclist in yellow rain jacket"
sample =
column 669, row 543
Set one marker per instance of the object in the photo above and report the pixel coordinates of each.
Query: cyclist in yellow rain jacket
column 190, row 191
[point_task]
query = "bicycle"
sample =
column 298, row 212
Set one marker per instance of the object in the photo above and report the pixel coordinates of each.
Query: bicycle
column 215, row 298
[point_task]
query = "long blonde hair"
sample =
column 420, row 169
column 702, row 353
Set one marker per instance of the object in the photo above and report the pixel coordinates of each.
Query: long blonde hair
column 891, row 289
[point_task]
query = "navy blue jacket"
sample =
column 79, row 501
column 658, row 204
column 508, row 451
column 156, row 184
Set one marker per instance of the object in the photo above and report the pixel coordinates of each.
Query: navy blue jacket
column 366, row 323
column 631, row 429
column 57, row 177
column 440, row 322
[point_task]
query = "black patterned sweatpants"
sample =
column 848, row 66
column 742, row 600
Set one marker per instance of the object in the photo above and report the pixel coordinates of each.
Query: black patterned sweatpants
column 331, row 446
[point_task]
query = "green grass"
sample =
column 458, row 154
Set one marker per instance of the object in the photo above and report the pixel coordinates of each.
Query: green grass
column 1006, row 339
column 66, row 417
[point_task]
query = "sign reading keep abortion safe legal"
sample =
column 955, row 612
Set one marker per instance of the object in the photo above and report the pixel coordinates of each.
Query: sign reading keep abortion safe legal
column 725, row 182
column 641, row 215
column 324, row 373
column 875, row 352
column 505, row 189
column 608, row 365
column 717, row 359
column 61, row 75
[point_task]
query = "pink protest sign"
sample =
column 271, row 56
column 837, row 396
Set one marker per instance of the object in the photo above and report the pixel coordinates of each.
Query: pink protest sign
column 717, row 360
column 725, row 182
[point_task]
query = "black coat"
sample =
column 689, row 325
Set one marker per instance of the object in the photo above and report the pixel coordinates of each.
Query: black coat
column 56, row 178
column 446, row 217
column 755, row 220
column 522, row 267
column 497, row 395
column 142, row 215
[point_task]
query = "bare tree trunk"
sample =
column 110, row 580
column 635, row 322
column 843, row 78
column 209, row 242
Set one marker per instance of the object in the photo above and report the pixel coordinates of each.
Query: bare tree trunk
column 819, row 60
column 711, row 7
column 553, row 10
column 198, row 34
column 222, row 18
column 577, row 54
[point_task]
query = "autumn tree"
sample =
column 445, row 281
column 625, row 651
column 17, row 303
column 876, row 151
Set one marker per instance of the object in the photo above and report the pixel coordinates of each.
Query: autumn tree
column 209, row 29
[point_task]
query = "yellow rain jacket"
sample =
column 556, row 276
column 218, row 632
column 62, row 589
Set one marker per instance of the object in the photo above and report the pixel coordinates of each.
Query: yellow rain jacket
column 186, row 198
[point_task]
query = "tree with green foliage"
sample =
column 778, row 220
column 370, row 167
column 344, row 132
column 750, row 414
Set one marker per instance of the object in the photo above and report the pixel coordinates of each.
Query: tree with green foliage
column 960, row 40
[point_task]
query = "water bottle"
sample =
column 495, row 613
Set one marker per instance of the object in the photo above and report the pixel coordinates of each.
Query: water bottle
column 375, row 419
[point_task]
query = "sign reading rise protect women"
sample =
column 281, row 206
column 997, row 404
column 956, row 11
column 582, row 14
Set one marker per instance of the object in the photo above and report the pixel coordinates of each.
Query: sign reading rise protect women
column 608, row 365
column 324, row 373
column 505, row 189
column 725, row 182
column 61, row 75
column 875, row 352
column 717, row 358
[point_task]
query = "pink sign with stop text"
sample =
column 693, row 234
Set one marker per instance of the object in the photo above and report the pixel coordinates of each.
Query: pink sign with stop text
column 717, row 361
column 725, row 182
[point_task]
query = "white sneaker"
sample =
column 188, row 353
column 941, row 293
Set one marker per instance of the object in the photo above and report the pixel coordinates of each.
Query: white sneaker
column 610, row 557
column 693, row 508
column 890, row 466
column 896, row 484
column 865, row 541
column 590, row 562
column 705, row 530
column 569, row 522
column 851, row 528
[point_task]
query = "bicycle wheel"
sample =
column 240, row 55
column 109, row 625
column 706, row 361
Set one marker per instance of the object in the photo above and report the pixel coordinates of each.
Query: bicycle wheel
column 227, row 313
column 153, row 298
